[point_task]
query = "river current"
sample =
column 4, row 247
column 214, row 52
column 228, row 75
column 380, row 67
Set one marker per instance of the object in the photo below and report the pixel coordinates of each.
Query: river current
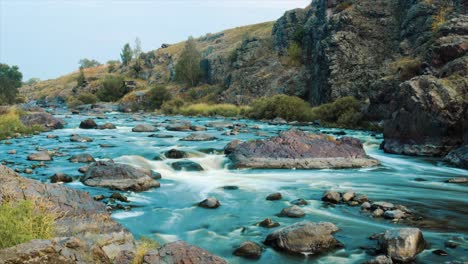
column 170, row 213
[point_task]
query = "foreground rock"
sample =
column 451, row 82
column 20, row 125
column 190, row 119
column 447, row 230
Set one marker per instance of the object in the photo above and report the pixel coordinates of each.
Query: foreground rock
column 402, row 245
column 40, row 156
column 249, row 250
column 46, row 120
column 88, row 124
column 120, row 177
column 297, row 149
column 85, row 232
column 304, row 238
column 144, row 128
column 180, row 252
column 199, row 137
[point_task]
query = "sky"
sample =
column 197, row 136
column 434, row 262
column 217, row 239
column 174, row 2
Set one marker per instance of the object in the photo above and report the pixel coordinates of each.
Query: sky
column 47, row 38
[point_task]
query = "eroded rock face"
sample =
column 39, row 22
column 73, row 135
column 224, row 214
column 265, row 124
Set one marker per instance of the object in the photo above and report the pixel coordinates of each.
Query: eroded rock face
column 402, row 245
column 85, row 232
column 119, row 177
column 304, row 238
column 297, row 149
column 180, row 252
column 46, row 120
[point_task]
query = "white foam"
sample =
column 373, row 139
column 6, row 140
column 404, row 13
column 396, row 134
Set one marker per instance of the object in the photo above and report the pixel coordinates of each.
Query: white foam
column 124, row 215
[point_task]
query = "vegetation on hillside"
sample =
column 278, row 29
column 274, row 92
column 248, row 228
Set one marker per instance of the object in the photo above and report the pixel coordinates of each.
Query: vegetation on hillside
column 126, row 55
column 113, row 88
column 10, row 81
column 188, row 69
column 157, row 96
column 24, row 221
column 10, row 123
column 87, row 63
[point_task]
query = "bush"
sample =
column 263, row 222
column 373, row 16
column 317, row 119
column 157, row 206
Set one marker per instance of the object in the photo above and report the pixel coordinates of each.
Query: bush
column 73, row 102
column 294, row 54
column 11, row 124
column 112, row 89
column 283, row 106
column 172, row 107
column 157, row 96
column 87, row 98
column 144, row 245
column 24, row 221
column 344, row 112
column 406, row 67
column 227, row 110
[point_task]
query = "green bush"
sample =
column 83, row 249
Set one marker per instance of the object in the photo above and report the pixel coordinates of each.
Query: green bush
column 226, row 110
column 87, row 98
column 172, row 107
column 344, row 112
column 112, row 89
column 157, row 96
column 283, row 106
column 24, row 221
column 11, row 124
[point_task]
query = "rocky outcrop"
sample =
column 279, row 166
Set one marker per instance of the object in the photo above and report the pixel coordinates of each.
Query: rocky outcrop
column 45, row 120
column 297, row 149
column 84, row 230
column 119, row 177
column 458, row 157
column 180, row 252
column 304, row 238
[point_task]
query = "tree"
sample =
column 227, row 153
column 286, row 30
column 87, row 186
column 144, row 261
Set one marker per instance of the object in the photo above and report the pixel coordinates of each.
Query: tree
column 10, row 81
column 137, row 50
column 87, row 63
column 127, row 54
column 188, row 68
column 157, row 96
column 113, row 88
column 81, row 80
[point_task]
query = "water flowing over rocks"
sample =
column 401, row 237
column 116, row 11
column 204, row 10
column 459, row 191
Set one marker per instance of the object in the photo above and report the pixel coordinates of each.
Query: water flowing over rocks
column 304, row 238
column 78, row 138
column 119, row 177
column 186, row 165
column 297, row 149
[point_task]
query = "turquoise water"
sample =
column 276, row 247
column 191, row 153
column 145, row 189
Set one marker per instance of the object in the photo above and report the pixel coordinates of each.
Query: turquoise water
column 169, row 213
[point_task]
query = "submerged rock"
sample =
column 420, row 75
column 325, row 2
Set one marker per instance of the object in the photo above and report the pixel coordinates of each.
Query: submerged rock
column 180, row 252
column 107, row 126
column 88, row 124
column 82, row 158
column 304, row 238
column 78, row 138
column 292, row 211
column 40, row 156
column 268, row 223
column 402, row 245
column 297, row 149
column 249, row 250
column 144, row 128
column 210, row 203
column 119, row 177
column 175, row 154
column 199, row 137
column 274, row 196
column 186, row 165
column 299, row 202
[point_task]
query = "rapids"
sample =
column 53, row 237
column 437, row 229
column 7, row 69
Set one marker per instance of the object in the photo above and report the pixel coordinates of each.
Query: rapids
column 169, row 213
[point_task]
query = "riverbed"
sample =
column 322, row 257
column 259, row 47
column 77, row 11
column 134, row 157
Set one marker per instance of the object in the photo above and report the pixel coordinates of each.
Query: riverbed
column 170, row 213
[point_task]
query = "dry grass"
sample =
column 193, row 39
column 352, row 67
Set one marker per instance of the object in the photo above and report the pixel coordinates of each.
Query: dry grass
column 144, row 245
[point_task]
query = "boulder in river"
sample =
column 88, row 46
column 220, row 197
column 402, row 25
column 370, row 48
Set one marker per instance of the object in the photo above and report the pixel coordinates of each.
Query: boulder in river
column 179, row 126
column 298, row 149
column 46, row 120
column 458, row 157
column 331, row 197
column 40, row 156
column 180, row 252
column 268, row 223
column 458, row 180
column 210, row 203
column 186, row 165
column 304, row 238
column 82, row 158
column 231, row 146
column 249, row 250
column 121, row 177
column 107, row 126
column 380, row 260
column 144, row 128
column 199, row 137
column 78, row 138
column 88, row 124
column 60, row 177
column 274, row 196
column 175, row 154
column 292, row 211
column 402, row 245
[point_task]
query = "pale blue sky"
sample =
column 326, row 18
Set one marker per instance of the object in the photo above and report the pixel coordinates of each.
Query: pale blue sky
column 47, row 38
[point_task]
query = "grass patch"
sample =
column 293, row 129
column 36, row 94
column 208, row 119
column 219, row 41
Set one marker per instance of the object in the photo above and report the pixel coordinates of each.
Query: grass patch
column 287, row 107
column 24, row 221
column 10, row 124
column 226, row 110
column 144, row 245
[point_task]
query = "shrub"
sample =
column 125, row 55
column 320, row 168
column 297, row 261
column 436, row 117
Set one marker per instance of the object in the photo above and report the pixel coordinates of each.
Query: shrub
column 81, row 79
column 344, row 112
column 112, row 89
column 157, row 96
column 73, row 102
column 406, row 67
column 112, row 65
column 294, row 54
column 87, row 63
column 24, row 221
column 144, row 245
column 227, row 110
column 87, row 98
column 172, row 107
column 283, row 106
column 10, row 124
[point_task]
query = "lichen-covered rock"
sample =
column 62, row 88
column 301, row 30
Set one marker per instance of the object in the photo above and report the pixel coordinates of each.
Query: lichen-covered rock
column 304, row 238
column 180, row 252
column 297, row 149
column 119, row 177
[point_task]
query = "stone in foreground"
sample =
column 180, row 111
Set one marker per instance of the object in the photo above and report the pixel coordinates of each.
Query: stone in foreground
column 297, row 149
column 120, row 177
column 402, row 245
column 180, row 252
column 304, row 238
